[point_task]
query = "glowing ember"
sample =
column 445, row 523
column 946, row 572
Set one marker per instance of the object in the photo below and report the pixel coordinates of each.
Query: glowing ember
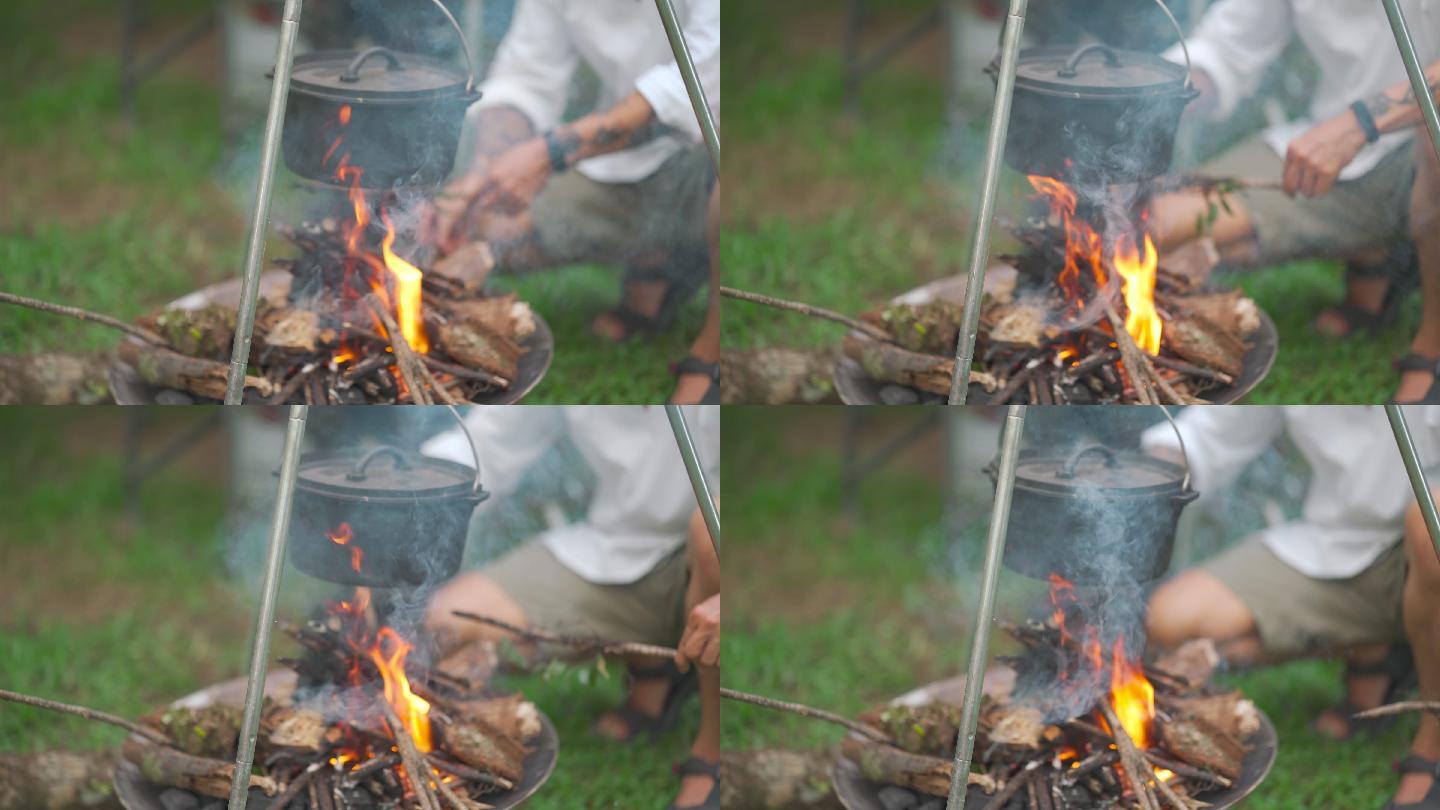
column 1141, row 320
column 343, row 536
column 1132, row 696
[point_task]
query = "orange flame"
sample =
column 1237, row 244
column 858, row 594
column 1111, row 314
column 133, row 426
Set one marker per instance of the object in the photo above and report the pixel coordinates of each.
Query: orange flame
column 343, row 536
column 1131, row 695
column 407, row 291
column 1141, row 320
column 412, row 710
column 1082, row 243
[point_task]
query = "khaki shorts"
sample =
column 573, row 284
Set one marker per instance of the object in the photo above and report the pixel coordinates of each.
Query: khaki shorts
column 581, row 220
column 1299, row 615
column 558, row 600
column 1367, row 212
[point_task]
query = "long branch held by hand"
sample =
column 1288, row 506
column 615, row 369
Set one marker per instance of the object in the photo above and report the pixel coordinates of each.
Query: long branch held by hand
column 85, row 315
column 89, row 714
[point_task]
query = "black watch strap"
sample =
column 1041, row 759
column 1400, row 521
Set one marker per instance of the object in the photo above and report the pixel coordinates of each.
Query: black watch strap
column 1367, row 121
column 556, row 150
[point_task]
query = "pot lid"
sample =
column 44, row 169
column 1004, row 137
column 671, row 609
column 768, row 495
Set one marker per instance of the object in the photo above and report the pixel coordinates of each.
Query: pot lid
column 1119, row 474
column 383, row 473
column 375, row 74
column 1096, row 70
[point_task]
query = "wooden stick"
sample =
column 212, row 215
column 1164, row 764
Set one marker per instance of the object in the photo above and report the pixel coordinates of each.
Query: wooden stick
column 293, row 384
column 1193, row 370
column 1403, row 707
column 468, row 773
column 1187, row 771
column 405, row 358
column 807, row 309
column 85, row 315
column 1133, row 358
column 89, row 714
column 449, row 795
column 441, row 392
column 1207, row 183
column 415, row 764
column 293, row 789
column 1169, row 794
column 479, row 375
column 1132, row 762
column 1012, row 786
column 872, row 734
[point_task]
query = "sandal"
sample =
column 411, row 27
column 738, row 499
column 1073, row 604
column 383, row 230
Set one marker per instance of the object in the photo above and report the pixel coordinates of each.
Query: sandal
column 695, row 766
column 1410, row 361
column 694, row 365
column 1399, row 666
column 682, row 686
column 1401, row 266
column 1416, row 764
column 634, row 322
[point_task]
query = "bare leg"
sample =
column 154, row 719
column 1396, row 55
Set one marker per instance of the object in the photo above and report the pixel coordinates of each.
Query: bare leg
column 704, row 583
column 454, row 637
column 1173, row 217
column 692, row 387
column 1422, row 627
column 1194, row 604
column 1424, row 218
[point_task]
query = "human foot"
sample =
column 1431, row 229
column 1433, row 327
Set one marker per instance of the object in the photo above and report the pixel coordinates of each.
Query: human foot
column 1417, row 784
column 699, row 778
column 697, row 382
column 1373, row 677
column 640, row 311
column 1364, row 308
column 1417, row 375
column 651, row 706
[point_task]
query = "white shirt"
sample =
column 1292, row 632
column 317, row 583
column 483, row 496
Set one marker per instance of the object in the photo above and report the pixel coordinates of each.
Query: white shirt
column 1350, row 42
column 1355, row 507
column 642, row 503
column 624, row 43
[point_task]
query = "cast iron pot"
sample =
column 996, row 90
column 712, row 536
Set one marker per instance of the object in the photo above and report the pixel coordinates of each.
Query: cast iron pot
column 403, row 121
column 406, row 515
column 1094, row 113
column 1094, row 515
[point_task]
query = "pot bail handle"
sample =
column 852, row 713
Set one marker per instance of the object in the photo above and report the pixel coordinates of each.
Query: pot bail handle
column 469, row 439
column 1189, row 68
column 1179, row 437
column 1068, row 70
column 1068, row 470
column 357, row 473
column 469, row 63
column 352, row 73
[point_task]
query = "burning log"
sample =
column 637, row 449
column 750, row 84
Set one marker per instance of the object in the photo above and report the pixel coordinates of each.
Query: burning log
column 1196, row 742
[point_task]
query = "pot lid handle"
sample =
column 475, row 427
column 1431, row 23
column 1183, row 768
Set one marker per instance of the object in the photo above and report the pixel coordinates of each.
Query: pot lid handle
column 474, row 451
column 1068, row 70
column 357, row 473
column 352, row 73
column 1068, row 470
column 1179, row 437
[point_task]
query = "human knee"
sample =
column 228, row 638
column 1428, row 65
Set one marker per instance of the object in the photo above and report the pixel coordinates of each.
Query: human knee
column 1420, row 549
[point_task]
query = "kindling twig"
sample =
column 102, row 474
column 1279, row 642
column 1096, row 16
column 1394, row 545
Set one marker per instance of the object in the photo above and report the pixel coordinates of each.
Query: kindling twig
column 1131, row 760
column 86, row 315
column 819, row 312
column 1208, row 184
column 1133, row 358
column 635, row 648
column 1003, row 796
column 405, row 357
column 89, row 714
column 415, row 764
column 1403, row 707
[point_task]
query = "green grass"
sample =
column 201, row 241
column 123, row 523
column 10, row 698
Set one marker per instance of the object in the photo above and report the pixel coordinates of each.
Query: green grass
column 847, row 613
column 121, row 220
column 126, row 617
column 845, row 214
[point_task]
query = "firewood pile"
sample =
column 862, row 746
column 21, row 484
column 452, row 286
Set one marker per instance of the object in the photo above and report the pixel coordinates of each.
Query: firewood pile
column 351, row 330
column 1044, row 341
column 1030, row 755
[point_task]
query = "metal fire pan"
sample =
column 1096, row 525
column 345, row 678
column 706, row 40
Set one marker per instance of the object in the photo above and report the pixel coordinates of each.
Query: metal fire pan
column 137, row 793
column 128, row 389
column 855, row 387
column 858, row 793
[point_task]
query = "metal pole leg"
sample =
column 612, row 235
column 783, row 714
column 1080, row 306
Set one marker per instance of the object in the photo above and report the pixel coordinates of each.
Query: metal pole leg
column 260, row 217
column 1416, row 471
column 1416, row 70
column 980, row 640
column 696, row 473
column 980, row 247
column 692, row 80
column 260, row 653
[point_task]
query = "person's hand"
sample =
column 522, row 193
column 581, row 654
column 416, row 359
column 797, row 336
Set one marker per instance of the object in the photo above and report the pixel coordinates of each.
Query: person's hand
column 516, row 177
column 1315, row 159
column 444, row 221
column 701, row 642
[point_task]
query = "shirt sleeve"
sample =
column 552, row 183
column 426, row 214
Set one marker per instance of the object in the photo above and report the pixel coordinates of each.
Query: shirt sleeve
column 1219, row 442
column 1234, row 43
column 662, row 86
column 533, row 66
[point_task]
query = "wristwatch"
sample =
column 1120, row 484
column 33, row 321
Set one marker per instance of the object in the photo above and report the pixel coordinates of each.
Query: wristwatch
column 556, row 150
column 1367, row 121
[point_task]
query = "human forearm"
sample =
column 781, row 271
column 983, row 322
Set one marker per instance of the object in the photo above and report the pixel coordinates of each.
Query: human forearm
column 629, row 123
column 1396, row 107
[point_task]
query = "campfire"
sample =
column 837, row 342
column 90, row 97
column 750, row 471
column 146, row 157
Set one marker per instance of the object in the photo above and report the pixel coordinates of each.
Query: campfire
column 360, row 324
column 1081, row 722
column 365, row 728
column 1087, row 312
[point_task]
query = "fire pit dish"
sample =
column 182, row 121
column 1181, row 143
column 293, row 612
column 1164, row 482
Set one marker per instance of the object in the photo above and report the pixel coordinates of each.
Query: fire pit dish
column 858, row 793
column 136, row 793
column 403, row 516
column 128, row 388
column 855, row 387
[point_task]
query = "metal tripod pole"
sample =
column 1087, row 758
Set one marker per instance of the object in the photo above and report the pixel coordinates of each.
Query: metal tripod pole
column 980, row 639
column 692, row 80
column 260, row 652
column 1416, row 470
column 260, row 216
column 1423, row 96
column 696, row 473
column 980, row 246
